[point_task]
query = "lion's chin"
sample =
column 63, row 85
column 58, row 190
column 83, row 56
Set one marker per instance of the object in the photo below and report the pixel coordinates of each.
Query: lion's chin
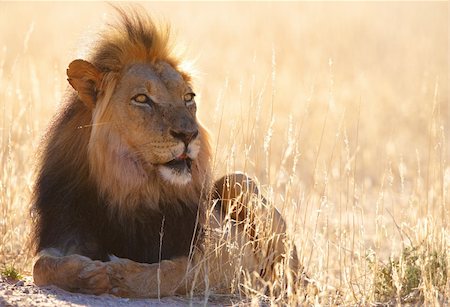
column 177, row 172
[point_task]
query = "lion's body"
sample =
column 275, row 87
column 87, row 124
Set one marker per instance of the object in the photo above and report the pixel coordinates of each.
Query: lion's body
column 124, row 178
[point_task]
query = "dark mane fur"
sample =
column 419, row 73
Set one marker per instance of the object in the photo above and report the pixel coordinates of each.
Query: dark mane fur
column 69, row 212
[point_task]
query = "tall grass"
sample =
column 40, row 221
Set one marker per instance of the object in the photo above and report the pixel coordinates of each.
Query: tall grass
column 341, row 111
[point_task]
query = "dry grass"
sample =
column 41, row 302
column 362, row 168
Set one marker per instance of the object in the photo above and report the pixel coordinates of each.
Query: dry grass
column 340, row 110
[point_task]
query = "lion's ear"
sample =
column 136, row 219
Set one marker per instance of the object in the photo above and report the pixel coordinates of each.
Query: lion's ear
column 86, row 79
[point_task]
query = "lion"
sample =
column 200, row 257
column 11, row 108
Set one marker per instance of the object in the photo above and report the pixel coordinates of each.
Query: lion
column 124, row 201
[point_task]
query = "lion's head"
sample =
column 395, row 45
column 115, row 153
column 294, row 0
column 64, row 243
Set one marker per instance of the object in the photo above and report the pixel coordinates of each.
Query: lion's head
column 145, row 140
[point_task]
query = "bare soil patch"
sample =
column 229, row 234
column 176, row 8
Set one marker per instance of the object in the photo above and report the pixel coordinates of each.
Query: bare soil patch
column 26, row 293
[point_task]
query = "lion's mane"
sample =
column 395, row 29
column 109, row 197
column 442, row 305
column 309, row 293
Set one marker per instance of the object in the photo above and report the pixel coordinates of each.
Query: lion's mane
column 91, row 190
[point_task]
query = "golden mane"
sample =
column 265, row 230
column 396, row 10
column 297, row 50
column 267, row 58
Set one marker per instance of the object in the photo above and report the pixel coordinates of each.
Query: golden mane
column 134, row 38
column 82, row 141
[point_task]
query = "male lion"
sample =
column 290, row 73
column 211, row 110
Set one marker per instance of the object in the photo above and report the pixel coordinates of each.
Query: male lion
column 124, row 202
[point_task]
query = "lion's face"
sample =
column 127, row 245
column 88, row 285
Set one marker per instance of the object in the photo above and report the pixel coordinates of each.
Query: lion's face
column 154, row 109
column 143, row 118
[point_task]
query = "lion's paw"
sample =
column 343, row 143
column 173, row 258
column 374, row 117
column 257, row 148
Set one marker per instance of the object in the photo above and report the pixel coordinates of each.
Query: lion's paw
column 74, row 273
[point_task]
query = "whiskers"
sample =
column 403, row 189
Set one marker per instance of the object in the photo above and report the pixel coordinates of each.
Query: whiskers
column 159, row 144
column 93, row 125
column 163, row 149
column 169, row 154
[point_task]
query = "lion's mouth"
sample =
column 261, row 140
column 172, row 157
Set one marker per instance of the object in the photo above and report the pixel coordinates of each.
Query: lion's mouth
column 180, row 164
column 177, row 171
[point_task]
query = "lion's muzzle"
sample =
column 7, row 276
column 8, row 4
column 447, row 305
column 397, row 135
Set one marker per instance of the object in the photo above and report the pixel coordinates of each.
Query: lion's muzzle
column 185, row 135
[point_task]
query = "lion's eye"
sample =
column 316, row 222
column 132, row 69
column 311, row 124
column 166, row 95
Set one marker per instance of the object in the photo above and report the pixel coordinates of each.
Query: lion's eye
column 141, row 99
column 189, row 99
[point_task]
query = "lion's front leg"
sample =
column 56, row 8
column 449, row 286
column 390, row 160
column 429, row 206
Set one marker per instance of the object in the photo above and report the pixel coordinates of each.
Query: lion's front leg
column 73, row 273
column 120, row 277
column 132, row 279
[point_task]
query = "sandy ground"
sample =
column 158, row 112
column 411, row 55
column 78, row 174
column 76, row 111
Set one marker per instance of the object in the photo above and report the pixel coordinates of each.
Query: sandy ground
column 25, row 293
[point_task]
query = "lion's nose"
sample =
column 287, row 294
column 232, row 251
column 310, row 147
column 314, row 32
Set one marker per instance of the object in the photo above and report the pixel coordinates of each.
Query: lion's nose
column 184, row 136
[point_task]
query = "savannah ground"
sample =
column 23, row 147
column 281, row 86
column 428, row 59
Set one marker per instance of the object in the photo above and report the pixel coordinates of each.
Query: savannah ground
column 340, row 110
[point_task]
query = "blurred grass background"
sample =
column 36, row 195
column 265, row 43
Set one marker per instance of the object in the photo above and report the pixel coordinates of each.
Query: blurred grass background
column 340, row 110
